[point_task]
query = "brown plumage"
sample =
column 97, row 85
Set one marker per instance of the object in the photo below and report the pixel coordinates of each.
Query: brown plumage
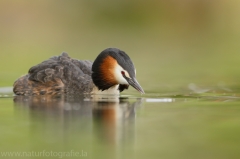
column 24, row 86
column 57, row 75
column 107, row 68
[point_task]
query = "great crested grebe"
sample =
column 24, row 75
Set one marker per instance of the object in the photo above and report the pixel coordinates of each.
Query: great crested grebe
column 110, row 73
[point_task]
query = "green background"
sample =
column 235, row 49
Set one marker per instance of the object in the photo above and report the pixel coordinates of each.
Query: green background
column 172, row 43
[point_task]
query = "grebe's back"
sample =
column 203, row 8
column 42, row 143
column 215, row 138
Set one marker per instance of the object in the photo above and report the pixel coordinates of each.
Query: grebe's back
column 57, row 75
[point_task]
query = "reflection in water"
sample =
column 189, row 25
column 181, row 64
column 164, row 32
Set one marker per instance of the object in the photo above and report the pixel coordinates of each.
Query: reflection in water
column 89, row 123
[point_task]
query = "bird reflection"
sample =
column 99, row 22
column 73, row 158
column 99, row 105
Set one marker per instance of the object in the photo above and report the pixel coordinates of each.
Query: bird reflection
column 109, row 119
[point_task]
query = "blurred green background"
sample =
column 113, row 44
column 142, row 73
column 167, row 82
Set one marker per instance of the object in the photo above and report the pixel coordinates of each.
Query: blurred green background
column 172, row 43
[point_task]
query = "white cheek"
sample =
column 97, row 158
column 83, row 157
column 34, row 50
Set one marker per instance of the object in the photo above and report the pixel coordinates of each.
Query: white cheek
column 118, row 75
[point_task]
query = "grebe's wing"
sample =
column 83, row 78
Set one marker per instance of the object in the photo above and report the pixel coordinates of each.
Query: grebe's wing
column 59, row 74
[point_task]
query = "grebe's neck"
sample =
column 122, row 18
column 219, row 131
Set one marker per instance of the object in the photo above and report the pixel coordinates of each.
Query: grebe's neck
column 112, row 90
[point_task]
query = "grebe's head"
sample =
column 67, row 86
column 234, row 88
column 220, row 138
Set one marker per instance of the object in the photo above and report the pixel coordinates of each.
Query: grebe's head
column 112, row 67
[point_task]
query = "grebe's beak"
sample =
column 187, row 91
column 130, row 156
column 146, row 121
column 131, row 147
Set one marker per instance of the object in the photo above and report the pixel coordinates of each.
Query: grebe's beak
column 134, row 83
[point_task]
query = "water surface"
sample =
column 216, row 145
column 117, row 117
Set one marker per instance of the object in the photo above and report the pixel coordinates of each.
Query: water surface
column 186, row 126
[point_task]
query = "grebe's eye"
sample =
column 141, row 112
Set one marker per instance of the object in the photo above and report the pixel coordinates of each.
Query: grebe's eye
column 123, row 73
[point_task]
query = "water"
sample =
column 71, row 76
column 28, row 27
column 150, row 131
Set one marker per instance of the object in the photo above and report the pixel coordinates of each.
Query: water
column 183, row 126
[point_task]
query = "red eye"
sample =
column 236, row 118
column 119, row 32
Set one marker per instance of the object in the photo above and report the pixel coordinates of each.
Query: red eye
column 122, row 72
